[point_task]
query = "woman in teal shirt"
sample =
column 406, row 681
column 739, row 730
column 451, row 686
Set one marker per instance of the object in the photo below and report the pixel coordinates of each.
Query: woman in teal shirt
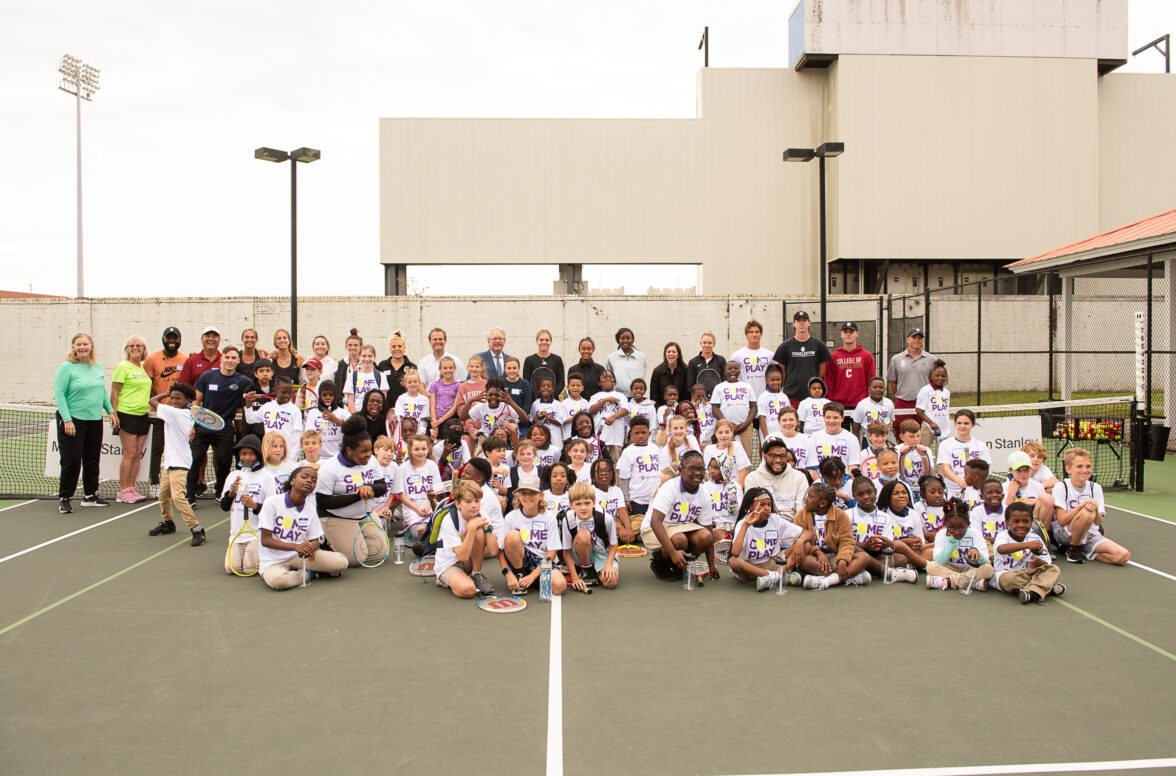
column 80, row 391
column 130, row 388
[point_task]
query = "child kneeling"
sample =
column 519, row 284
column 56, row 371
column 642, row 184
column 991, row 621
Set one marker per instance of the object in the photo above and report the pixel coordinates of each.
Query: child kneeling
column 589, row 538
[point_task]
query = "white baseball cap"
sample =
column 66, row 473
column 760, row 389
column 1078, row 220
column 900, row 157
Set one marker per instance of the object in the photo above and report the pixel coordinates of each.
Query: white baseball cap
column 1019, row 460
column 210, row 330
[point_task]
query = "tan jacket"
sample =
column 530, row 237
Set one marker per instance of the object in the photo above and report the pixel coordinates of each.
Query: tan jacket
column 838, row 532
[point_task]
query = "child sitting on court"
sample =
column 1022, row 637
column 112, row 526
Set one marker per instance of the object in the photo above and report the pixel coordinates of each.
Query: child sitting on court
column 914, row 458
column 280, row 415
column 868, row 523
column 291, row 533
column 723, row 498
column 173, row 409
column 958, row 547
column 930, row 509
column 761, row 537
column 987, row 517
column 609, row 498
column 903, row 526
column 589, row 539
column 831, row 557
column 246, row 489
column 1022, row 487
column 812, row 409
column 464, row 534
column 1037, row 468
column 384, row 451
column 1021, row 561
column 531, row 536
column 310, row 444
column 832, row 471
column 1079, row 510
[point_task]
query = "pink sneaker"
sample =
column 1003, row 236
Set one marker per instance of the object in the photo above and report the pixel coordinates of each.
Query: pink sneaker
column 123, row 497
column 130, row 496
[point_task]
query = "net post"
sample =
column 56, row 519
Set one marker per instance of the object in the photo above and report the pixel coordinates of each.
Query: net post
column 1053, row 330
column 979, row 338
column 926, row 319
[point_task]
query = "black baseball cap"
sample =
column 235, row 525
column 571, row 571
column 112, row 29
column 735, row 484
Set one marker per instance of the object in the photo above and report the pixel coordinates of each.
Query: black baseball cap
column 849, row 326
column 915, row 332
column 170, row 330
column 800, row 315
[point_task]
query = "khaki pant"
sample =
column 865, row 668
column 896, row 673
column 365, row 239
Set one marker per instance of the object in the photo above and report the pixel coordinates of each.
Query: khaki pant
column 288, row 573
column 957, row 577
column 341, row 531
column 173, row 485
column 1040, row 580
column 649, row 539
column 243, row 554
column 747, row 439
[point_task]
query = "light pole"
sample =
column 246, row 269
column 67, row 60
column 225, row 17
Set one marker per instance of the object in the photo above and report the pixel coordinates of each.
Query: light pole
column 80, row 80
column 821, row 152
column 306, row 156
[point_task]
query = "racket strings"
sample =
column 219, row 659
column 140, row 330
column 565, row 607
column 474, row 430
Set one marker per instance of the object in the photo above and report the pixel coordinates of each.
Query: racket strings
column 243, row 556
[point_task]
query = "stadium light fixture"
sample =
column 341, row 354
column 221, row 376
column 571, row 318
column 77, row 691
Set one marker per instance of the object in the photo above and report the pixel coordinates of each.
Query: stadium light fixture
column 820, row 153
column 80, row 80
column 306, row 156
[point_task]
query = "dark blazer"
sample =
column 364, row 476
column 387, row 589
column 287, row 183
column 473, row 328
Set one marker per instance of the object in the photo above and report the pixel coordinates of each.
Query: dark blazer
column 662, row 377
column 488, row 362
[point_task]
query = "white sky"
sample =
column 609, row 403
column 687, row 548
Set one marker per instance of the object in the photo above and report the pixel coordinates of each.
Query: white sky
column 174, row 202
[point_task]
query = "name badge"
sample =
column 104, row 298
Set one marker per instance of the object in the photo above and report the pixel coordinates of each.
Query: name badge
column 213, row 386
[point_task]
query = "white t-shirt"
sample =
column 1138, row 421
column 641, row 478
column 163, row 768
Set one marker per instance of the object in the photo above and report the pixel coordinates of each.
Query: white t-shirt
column 1021, row 560
column 677, row 505
column 281, row 472
column 970, row 496
column 556, row 504
column 641, row 465
column 557, row 410
column 932, row 517
column 867, row 524
column 666, row 455
column 752, row 366
column 416, row 485
column 488, row 418
column 339, row 477
column 598, row 542
column 812, row 413
column 609, row 501
column 491, row 509
column 903, row 526
column 936, row 405
column 177, row 424
column 584, row 473
column 722, row 502
column 360, row 384
column 868, row 410
column 546, row 457
column 540, row 534
column 956, row 454
column 988, row 523
column 288, row 523
column 390, row 474
column 764, row 542
column 972, row 540
column 330, row 431
column 1043, row 474
column 706, row 423
column 768, row 407
column 455, row 459
column 801, row 446
column 734, row 400
column 911, row 468
column 451, row 536
column 258, row 485
column 1068, row 497
column 286, row 419
column 1032, row 490
column 730, row 463
column 843, row 445
column 614, row 434
column 415, row 407
column 646, row 409
column 571, row 407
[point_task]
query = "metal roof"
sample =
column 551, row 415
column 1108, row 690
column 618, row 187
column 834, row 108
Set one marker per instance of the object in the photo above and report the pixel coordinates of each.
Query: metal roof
column 1153, row 232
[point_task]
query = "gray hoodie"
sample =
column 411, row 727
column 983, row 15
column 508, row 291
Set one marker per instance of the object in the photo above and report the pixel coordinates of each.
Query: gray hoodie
column 787, row 489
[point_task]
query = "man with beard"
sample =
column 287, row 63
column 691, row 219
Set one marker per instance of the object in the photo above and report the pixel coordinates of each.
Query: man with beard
column 163, row 367
column 786, row 484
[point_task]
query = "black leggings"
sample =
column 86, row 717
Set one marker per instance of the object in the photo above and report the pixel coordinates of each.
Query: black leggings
column 81, row 452
column 222, row 457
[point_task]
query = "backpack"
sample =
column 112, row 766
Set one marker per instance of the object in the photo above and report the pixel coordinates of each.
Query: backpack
column 430, row 540
column 597, row 517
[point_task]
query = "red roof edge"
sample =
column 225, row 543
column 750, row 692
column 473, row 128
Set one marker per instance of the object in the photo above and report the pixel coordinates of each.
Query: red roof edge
column 1152, row 226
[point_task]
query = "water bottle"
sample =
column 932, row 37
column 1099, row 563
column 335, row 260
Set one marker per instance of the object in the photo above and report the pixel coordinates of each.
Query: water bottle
column 545, row 580
column 888, row 565
column 398, row 550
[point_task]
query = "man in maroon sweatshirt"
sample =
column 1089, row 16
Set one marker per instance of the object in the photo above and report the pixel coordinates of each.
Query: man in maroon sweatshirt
column 850, row 369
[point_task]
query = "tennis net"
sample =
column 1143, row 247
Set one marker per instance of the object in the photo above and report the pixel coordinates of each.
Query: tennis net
column 1102, row 426
column 30, row 461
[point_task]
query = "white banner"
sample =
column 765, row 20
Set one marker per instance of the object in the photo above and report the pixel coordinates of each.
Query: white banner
column 109, row 461
column 1006, row 435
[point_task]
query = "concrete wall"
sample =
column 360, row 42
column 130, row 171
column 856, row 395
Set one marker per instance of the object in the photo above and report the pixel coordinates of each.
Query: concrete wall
column 1136, row 113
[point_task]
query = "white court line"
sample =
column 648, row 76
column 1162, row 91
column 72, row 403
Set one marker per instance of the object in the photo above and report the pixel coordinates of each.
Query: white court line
column 979, row 770
column 21, row 504
column 555, row 694
column 75, row 533
column 1140, row 514
column 1149, row 568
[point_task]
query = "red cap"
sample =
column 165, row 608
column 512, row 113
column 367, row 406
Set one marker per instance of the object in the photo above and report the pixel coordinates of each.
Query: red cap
column 312, row 363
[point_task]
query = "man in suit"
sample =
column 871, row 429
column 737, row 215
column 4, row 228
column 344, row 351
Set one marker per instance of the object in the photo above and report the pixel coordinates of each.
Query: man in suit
column 495, row 357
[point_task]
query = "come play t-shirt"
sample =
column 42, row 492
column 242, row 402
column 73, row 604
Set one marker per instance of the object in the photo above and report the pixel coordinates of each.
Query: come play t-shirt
column 641, row 465
column 677, row 505
column 339, row 477
column 288, row 523
column 764, row 542
column 752, row 365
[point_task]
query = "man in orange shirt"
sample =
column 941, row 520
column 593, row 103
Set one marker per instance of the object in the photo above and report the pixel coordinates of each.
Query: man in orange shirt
column 163, row 367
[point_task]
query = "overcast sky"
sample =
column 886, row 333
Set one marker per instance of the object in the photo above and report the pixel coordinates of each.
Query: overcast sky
column 176, row 205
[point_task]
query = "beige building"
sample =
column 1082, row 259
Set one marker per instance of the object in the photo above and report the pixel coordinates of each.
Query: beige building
column 977, row 132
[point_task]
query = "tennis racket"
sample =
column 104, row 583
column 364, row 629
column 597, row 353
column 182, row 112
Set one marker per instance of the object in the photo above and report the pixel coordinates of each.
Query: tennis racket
column 723, row 551
column 304, row 398
column 631, row 551
column 370, row 547
column 422, row 567
column 696, row 568
column 709, row 378
column 241, row 557
column 206, row 418
column 501, row 604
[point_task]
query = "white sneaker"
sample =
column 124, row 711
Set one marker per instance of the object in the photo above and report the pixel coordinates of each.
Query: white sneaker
column 908, row 575
column 861, row 578
column 813, row 582
column 937, row 583
column 767, row 582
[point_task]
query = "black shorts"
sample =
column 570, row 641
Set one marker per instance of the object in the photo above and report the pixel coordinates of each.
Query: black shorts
column 137, row 425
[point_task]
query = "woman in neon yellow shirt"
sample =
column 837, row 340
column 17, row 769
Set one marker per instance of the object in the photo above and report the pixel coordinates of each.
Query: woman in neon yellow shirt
column 80, row 392
column 130, row 388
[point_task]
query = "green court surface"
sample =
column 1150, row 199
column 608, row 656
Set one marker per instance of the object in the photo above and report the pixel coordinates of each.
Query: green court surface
column 123, row 653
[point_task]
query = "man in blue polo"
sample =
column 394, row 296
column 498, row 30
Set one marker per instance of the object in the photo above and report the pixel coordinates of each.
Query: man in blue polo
column 221, row 390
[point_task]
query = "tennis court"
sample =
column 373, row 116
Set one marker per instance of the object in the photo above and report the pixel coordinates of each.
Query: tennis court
column 127, row 653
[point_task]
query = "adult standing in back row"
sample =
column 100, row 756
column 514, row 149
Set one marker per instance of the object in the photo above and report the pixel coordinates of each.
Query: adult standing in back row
column 543, row 357
column 802, row 358
column 627, row 363
column 494, row 357
column 849, row 374
column 79, row 388
column 906, row 374
column 754, row 359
